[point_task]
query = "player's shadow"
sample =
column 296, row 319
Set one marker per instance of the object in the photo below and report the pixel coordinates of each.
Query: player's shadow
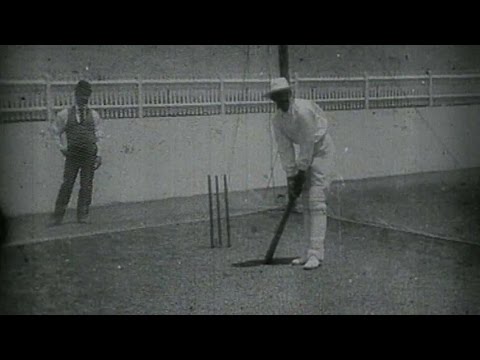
column 254, row 263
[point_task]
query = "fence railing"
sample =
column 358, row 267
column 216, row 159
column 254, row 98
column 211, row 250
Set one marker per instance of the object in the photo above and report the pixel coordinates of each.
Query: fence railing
column 38, row 100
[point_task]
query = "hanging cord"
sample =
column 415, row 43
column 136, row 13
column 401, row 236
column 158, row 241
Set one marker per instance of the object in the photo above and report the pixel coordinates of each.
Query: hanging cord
column 237, row 121
column 427, row 124
column 274, row 156
column 271, row 179
column 237, row 125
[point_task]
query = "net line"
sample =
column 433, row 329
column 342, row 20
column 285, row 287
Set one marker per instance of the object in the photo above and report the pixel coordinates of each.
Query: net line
column 376, row 222
column 381, row 223
column 270, row 183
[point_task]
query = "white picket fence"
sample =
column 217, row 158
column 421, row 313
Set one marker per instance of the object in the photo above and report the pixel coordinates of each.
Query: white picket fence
column 38, row 100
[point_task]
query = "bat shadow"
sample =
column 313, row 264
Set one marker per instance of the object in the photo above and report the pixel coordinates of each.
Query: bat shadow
column 255, row 263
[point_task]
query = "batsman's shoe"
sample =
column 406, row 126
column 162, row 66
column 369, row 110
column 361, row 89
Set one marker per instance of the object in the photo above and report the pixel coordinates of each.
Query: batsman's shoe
column 312, row 263
column 299, row 261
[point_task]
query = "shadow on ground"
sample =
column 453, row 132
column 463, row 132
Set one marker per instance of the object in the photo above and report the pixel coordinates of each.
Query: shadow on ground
column 172, row 270
column 254, row 263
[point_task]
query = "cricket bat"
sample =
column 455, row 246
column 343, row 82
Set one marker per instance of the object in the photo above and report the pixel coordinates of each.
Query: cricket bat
column 279, row 231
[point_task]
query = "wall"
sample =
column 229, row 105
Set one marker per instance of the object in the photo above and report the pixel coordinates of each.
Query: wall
column 324, row 60
column 143, row 160
column 230, row 61
column 158, row 158
column 404, row 141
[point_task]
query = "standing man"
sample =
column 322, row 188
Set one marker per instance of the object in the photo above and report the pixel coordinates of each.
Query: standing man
column 303, row 123
column 82, row 129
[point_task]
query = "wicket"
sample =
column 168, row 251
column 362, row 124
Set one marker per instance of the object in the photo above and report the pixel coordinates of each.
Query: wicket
column 227, row 211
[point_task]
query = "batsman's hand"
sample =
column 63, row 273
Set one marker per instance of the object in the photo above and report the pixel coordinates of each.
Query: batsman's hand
column 295, row 184
column 98, row 162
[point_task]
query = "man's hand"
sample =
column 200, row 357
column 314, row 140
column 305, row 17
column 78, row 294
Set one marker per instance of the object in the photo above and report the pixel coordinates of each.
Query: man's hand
column 295, row 184
column 64, row 152
column 98, row 162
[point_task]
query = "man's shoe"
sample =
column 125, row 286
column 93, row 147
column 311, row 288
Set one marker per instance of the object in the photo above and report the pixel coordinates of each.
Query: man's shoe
column 82, row 215
column 312, row 263
column 299, row 261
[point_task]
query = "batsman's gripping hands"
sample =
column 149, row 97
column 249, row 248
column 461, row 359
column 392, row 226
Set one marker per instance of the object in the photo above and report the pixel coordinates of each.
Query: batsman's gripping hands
column 295, row 184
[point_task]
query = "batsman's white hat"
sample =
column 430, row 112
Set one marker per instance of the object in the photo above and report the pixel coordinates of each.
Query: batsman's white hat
column 279, row 84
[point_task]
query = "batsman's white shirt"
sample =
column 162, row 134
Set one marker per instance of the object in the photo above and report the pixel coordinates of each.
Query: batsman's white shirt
column 306, row 125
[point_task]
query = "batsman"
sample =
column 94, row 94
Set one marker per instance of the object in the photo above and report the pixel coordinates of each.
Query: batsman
column 303, row 123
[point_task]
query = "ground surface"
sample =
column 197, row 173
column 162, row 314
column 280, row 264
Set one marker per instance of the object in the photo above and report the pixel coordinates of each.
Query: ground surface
column 171, row 269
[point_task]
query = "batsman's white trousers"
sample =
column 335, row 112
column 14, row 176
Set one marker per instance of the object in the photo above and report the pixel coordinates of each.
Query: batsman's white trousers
column 314, row 198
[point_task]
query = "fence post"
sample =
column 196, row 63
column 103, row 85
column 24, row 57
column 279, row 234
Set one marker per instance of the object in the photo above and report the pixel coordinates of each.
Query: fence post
column 222, row 96
column 140, row 97
column 367, row 92
column 48, row 97
column 430, row 88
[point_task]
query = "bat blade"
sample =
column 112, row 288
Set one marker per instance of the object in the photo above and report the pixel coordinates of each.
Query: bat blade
column 279, row 231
